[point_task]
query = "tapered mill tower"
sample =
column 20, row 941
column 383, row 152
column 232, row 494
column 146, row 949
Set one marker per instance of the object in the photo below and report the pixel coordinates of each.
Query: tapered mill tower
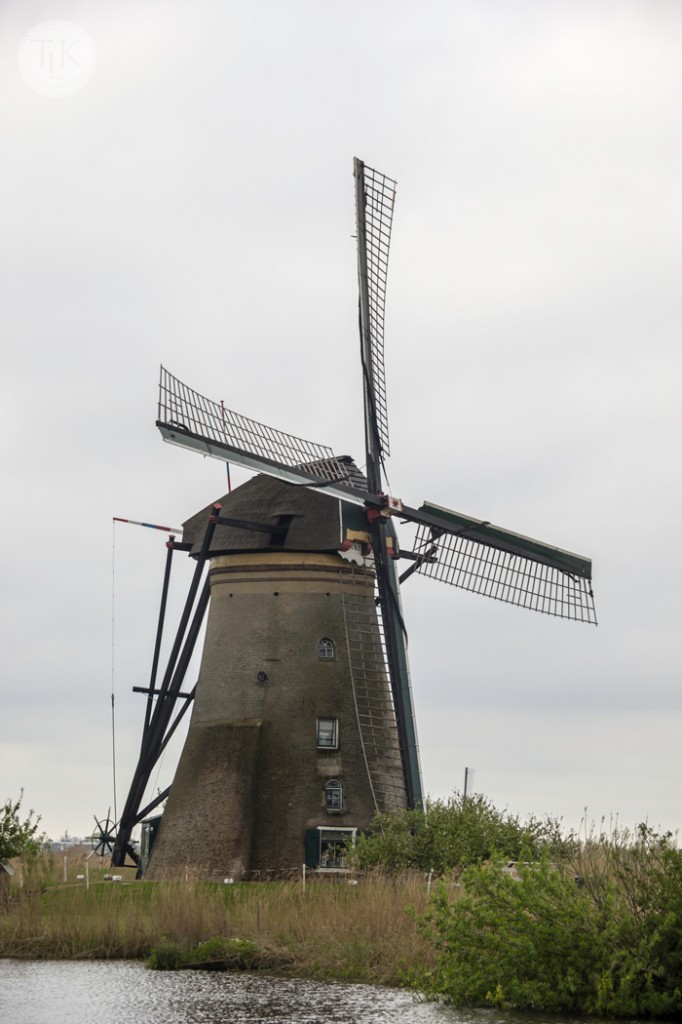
column 292, row 744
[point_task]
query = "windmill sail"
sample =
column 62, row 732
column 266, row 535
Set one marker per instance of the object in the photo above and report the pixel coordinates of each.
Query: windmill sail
column 506, row 566
column 190, row 420
column 374, row 201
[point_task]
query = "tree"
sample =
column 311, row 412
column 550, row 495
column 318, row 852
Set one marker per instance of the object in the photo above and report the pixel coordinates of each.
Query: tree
column 18, row 836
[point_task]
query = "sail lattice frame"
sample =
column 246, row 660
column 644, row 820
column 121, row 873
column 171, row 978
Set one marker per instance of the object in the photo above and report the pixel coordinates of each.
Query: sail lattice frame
column 195, row 416
column 505, row 576
column 379, row 195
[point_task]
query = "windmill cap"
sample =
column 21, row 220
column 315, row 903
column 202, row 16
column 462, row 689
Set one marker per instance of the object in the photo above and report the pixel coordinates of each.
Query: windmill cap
column 301, row 518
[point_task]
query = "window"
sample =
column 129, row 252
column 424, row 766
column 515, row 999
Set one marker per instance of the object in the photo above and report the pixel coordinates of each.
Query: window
column 326, row 848
column 327, row 733
column 325, row 649
column 333, row 849
column 333, row 792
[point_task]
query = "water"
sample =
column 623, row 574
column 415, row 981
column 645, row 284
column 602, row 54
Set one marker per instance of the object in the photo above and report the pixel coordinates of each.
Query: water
column 125, row 992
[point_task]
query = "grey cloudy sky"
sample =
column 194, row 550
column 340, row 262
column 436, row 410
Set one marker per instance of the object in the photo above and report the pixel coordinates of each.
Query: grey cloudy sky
column 192, row 204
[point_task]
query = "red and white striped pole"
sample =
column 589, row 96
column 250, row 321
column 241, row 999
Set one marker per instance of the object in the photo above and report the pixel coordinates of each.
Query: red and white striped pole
column 150, row 526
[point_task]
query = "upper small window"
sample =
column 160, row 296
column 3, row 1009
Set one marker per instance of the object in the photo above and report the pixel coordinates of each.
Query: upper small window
column 327, row 733
column 334, row 795
column 325, row 649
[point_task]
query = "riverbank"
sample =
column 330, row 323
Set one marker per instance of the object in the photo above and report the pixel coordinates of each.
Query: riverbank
column 359, row 929
column 591, row 928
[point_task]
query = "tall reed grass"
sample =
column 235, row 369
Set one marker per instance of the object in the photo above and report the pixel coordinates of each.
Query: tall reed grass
column 360, row 928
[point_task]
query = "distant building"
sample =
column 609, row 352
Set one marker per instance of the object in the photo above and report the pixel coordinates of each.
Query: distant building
column 67, row 842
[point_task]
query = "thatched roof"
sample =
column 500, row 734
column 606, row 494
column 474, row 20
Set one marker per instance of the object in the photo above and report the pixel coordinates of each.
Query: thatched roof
column 312, row 519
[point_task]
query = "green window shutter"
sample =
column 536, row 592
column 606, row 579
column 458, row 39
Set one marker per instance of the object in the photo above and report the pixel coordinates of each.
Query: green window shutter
column 312, row 848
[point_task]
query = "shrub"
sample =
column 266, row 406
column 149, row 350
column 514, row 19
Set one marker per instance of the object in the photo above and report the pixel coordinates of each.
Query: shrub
column 166, row 957
column 450, row 834
column 237, row 953
column 607, row 942
column 234, row 952
column 18, row 836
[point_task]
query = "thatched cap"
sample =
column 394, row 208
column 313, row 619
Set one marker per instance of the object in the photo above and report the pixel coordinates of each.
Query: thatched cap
column 302, row 519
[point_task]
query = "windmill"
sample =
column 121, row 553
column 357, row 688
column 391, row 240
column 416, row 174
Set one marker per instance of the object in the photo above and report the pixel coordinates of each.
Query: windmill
column 312, row 529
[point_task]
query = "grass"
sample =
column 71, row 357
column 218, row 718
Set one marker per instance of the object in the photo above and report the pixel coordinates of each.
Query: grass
column 357, row 929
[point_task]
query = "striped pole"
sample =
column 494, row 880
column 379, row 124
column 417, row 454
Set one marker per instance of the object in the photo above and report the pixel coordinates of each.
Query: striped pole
column 150, row 526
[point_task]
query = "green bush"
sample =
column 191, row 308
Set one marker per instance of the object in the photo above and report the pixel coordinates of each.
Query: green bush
column 238, row 953
column 18, row 836
column 607, row 941
column 645, row 873
column 449, row 834
column 166, row 957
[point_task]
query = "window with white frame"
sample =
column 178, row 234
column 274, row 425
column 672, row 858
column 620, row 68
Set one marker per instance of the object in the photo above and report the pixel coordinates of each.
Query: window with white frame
column 327, row 848
column 334, row 845
column 328, row 733
column 333, row 792
column 325, row 649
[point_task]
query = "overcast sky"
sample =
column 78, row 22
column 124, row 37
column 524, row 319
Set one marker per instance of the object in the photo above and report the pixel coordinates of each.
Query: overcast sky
column 188, row 200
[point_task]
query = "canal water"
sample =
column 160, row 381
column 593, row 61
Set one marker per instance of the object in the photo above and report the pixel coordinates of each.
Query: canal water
column 125, row 992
